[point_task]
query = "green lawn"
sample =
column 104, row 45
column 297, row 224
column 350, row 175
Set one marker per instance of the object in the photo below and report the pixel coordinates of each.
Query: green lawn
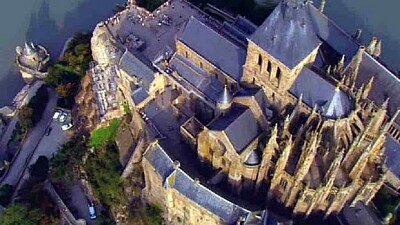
column 105, row 134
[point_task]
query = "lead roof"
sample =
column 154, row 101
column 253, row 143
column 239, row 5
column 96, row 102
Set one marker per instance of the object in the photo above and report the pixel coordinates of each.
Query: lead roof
column 184, row 184
column 239, row 125
column 287, row 34
column 318, row 91
column 214, row 47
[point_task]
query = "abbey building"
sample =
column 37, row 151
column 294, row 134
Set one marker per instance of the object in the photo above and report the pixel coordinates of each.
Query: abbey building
column 294, row 112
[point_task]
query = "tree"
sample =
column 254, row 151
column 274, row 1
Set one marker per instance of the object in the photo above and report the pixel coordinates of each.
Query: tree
column 103, row 170
column 25, row 116
column 69, row 157
column 34, row 196
column 66, row 90
column 40, row 169
column 19, row 214
column 153, row 215
column 5, row 194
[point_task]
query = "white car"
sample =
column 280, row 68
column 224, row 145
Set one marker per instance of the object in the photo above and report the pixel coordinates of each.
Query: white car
column 56, row 115
column 66, row 126
column 63, row 117
column 92, row 211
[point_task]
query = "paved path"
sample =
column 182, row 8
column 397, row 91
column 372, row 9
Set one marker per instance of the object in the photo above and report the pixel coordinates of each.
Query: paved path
column 34, row 136
column 48, row 146
column 7, row 136
column 10, row 128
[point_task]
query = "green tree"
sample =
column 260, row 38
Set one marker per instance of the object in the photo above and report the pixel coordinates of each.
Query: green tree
column 103, row 170
column 40, row 169
column 34, row 196
column 69, row 157
column 19, row 214
column 66, row 90
column 153, row 215
column 25, row 117
column 6, row 194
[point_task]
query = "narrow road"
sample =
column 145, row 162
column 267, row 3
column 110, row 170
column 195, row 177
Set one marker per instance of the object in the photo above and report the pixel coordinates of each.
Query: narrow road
column 10, row 128
column 70, row 219
column 34, row 136
column 7, row 135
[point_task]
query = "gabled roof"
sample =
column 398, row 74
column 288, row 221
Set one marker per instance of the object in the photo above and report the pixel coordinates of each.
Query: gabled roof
column 287, row 34
column 260, row 98
column 206, row 84
column 160, row 160
column 136, row 67
column 196, row 192
column 139, row 95
column 392, row 153
column 214, row 47
column 318, row 91
column 332, row 34
column 385, row 85
column 239, row 125
column 209, row 200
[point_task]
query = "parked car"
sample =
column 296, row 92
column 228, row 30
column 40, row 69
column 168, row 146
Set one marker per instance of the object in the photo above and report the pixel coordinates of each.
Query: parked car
column 63, row 117
column 66, row 126
column 57, row 115
column 48, row 130
column 92, row 211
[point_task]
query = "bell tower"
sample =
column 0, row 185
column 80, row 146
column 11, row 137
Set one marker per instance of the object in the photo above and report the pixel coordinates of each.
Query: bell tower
column 274, row 56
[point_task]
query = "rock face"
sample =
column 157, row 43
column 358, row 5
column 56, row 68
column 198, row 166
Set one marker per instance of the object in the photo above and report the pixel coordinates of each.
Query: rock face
column 103, row 47
column 86, row 112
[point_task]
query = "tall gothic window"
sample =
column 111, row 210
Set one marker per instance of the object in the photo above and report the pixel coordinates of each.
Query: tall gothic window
column 260, row 60
column 283, row 183
column 269, row 67
column 279, row 74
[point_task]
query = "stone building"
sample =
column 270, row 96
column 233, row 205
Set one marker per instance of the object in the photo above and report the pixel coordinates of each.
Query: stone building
column 32, row 61
column 295, row 112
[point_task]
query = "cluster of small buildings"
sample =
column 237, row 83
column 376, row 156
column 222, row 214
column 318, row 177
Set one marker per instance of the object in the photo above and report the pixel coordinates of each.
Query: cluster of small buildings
column 292, row 114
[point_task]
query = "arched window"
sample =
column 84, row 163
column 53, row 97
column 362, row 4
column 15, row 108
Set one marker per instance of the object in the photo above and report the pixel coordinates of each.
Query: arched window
column 260, row 60
column 269, row 67
column 201, row 65
column 186, row 54
column 279, row 74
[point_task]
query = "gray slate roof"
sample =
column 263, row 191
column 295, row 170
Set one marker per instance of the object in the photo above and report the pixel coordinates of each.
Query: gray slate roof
column 184, row 184
column 253, row 159
column 245, row 25
column 139, row 95
column 332, row 34
column 287, row 34
column 215, row 48
column 259, row 97
column 392, row 153
column 160, row 160
column 386, row 84
column 219, row 206
column 318, row 91
column 240, row 126
column 136, row 67
column 197, row 77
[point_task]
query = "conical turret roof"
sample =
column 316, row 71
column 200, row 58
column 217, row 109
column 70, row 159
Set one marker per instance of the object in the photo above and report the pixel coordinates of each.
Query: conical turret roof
column 28, row 50
column 226, row 97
